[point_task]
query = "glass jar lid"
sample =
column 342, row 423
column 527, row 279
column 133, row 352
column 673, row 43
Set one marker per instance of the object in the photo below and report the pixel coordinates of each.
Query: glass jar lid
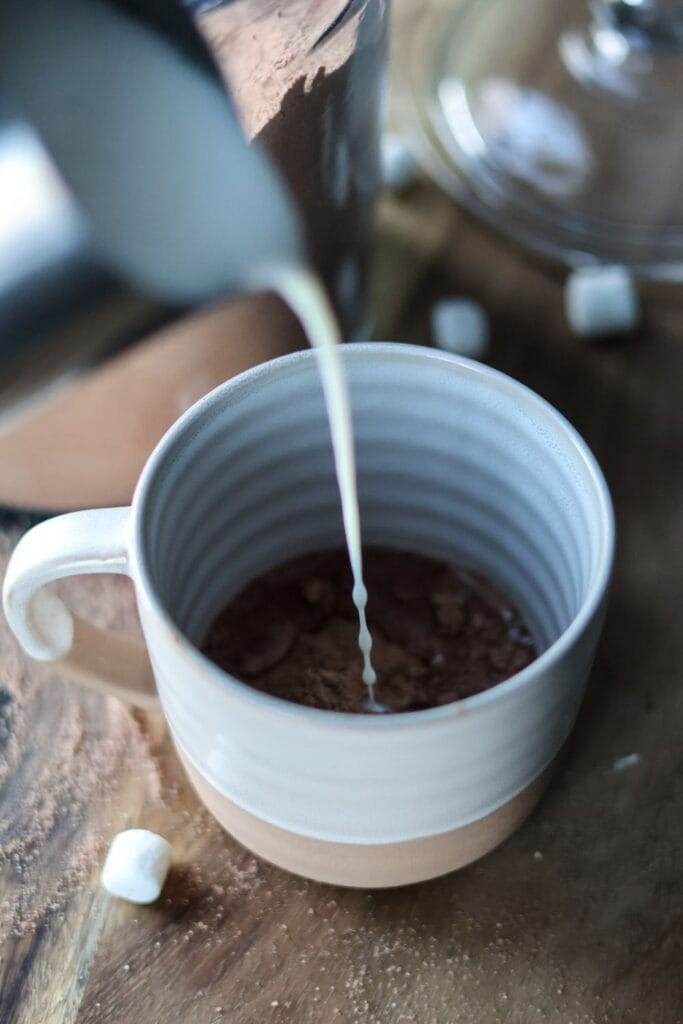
column 560, row 124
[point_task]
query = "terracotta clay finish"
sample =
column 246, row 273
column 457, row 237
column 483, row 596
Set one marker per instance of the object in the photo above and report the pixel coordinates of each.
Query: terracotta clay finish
column 361, row 866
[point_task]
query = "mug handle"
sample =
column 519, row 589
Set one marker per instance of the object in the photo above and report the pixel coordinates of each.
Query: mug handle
column 73, row 545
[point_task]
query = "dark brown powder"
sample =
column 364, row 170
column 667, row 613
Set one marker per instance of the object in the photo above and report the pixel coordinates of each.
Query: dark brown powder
column 440, row 633
column 64, row 756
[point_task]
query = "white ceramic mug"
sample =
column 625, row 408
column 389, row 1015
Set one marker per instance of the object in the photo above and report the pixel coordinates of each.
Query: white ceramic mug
column 455, row 460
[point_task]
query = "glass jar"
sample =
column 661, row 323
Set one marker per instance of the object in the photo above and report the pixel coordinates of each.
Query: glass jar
column 307, row 77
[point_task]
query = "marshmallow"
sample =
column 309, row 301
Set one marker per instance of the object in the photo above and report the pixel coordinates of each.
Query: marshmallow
column 461, row 326
column 398, row 164
column 136, row 866
column 628, row 761
column 601, row 300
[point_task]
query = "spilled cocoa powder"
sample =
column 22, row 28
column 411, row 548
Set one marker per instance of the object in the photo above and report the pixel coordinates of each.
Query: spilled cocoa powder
column 440, row 633
column 65, row 756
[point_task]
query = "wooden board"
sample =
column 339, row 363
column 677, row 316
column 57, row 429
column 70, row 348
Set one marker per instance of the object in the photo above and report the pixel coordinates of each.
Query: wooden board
column 576, row 919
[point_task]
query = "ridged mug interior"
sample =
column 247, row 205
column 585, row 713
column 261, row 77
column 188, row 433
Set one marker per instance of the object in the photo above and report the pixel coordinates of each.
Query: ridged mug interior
column 454, row 461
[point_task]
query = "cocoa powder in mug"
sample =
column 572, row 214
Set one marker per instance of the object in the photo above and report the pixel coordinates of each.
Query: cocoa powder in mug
column 440, row 633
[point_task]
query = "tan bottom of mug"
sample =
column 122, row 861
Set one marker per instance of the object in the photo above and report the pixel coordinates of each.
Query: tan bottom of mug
column 370, row 866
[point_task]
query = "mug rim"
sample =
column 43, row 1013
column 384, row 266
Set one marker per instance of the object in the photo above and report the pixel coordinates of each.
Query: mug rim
column 366, row 350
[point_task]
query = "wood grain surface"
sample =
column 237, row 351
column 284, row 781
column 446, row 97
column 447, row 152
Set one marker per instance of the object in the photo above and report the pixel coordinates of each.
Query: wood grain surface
column 578, row 919
column 575, row 919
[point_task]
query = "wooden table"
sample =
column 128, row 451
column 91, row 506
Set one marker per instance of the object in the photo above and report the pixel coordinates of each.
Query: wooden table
column 576, row 919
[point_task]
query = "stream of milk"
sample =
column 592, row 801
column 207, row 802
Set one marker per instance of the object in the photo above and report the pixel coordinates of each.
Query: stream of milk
column 304, row 294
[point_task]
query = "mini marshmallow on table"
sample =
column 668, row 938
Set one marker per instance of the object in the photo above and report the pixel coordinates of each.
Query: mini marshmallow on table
column 460, row 326
column 136, row 866
column 399, row 168
column 601, row 300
